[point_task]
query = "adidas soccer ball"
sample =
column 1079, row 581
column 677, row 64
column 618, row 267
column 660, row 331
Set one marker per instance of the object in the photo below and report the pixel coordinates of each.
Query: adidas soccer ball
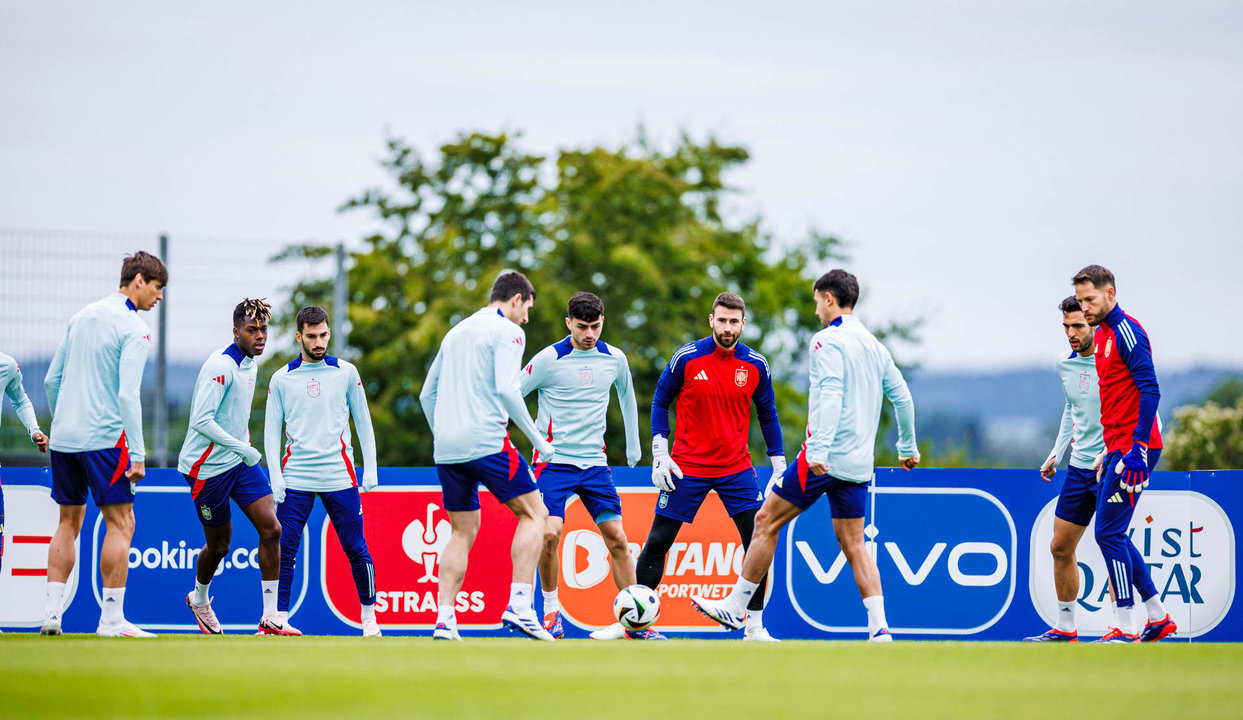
column 637, row 607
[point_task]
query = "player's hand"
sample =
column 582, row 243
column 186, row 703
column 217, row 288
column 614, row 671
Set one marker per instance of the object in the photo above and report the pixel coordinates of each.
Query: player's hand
column 370, row 480
column 41, row 440
column 278, row 488
column 1098, row 465
column 908, row 463
column 251, row 456
column 545, row 449
column 817, row 469
column 664, row 469
column 779, row 469
column 137, row 471
column 633, row 456
column 1133, row 468
column 1049, row 469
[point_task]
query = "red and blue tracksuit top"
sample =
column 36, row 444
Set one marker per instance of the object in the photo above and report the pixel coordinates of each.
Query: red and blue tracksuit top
column 714, row 389
column 1128, row 383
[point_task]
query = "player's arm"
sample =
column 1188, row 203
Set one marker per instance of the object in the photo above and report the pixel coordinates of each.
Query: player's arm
column 1060, row 445
column 427, row 396
column 133, row 360
column 664, row 469
column 766, row 410
column 1133, row 344
column 899, row 394
column 356, row 398
column 506, row 365
column 533, row 374
column 824, row 399
column 273, row 422
column 208, row 396
column 55, row 371
column 24, row 408
column 624, row 385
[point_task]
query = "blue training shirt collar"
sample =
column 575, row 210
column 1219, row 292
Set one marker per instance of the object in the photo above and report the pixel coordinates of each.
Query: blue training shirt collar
column 236, row 353
column 128, row 303
column 328, row 360
column 1115, row 316
column 566, row 346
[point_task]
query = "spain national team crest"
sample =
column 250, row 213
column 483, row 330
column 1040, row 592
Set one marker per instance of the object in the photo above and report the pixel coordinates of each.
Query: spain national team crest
column 740, row 377
column 312, row 388
column 585, row 377
column 1085, row 382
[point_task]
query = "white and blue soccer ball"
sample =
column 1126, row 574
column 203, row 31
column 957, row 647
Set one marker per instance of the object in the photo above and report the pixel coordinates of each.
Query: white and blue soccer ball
column 637, row 607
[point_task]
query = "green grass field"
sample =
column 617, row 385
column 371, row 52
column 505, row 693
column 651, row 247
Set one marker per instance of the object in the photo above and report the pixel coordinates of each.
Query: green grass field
column 240, row 677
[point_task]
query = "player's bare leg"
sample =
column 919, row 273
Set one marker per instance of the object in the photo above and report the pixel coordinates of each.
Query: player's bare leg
column 525, row 553
column 215, row 549
column 114, row 570
column 619, row 553
column 774, row 514
column 549, row 560
column 849, row 532
column 61, row 557
column 453, row 559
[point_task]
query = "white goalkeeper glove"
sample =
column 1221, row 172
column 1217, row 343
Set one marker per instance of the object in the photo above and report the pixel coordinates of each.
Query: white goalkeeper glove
column 664, row 469
column 779, row 469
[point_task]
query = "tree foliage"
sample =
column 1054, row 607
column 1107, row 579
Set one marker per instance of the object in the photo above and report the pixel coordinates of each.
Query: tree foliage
column 643, row 228
column 1208, row 436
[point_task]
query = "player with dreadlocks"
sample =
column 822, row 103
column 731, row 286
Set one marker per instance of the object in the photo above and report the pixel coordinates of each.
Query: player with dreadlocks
column 219, row 463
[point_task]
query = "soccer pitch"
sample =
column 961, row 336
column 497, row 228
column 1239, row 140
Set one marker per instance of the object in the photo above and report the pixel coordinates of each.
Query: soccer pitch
column 237, row 676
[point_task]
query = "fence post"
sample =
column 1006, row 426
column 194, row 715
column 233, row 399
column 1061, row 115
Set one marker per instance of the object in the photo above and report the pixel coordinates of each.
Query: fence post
column 161, row 372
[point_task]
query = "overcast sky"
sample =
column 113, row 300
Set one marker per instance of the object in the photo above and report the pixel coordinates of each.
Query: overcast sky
column 973, row 154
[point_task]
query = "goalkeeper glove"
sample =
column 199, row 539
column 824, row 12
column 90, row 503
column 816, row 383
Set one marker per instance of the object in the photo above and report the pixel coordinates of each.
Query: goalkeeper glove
column 664, row 469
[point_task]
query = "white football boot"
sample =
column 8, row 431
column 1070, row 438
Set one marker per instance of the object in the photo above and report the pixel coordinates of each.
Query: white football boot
column 716, row 610
column 371, row 628
column 527, row 623
column 204, row 616
column 51, row 626
column 125, row 628
column 277, row 623
column 759, row 634
column 612, row 632
column 444, row 632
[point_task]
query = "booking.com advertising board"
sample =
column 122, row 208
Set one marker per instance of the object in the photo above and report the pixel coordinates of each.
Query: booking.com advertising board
column 963, row 554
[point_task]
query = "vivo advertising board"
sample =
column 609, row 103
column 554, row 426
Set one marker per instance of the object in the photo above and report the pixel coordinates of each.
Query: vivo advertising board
column 963, row 554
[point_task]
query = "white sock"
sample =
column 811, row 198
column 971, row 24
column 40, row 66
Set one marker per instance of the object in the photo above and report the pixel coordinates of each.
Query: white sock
column 270, row 589
column 1156, row 611
column 1112, row 611
column 738, row 598
column 54, row 598
column 446, row 616
column 551, row 603
column 199, row 597
column 114, row 606
column 1065, row 616
column 1126, row 620
column 876, row 613
column 755, row 619
column 369, row 612
column 520, row 596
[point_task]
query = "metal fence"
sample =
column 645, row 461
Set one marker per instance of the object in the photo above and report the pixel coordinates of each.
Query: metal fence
column 47, row 276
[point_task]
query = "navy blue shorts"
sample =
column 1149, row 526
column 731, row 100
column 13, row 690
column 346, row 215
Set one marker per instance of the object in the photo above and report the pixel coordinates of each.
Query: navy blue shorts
column 244, row 483
column 593, row 485
column 847, row 499
column 102, row 471
column 506, row 475
column 1115, row 506
column 1077, row 501
column 738, row 493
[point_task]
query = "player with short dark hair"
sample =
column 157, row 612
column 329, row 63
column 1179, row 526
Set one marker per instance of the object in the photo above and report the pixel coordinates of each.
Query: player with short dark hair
column 313, row 398
column 219, row 463
column 714, row 381
column 851, row 373
column 471, row 393
column 1080, row 434
column 1130, row 397
column 573, row 378
column 97, row 443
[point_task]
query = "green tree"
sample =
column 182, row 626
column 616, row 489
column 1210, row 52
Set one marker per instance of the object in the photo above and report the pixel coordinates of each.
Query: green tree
column 641, row 227
column 1208, row 436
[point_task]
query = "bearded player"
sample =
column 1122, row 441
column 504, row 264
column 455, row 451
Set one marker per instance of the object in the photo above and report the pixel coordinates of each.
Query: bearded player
column 851, row 373
column 219, row 463
column 574, row 377
column 714, row 382
column 1129, row 399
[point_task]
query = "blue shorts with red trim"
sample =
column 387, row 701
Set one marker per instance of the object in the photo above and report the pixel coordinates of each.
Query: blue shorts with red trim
column 593, row 485
column 102, row 471
column 243, row 483
column 505, row 474
column 738, row 493
column 1076, row 503
column 847, row 499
